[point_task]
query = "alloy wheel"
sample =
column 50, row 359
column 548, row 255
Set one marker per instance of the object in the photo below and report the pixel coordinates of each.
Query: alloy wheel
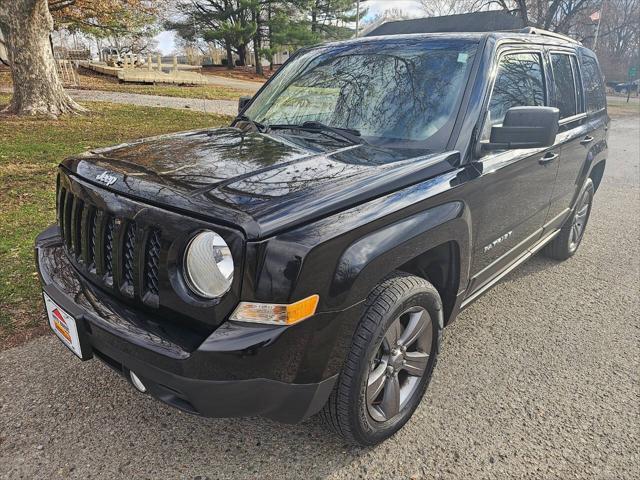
column 399, row 364
column 579, row 221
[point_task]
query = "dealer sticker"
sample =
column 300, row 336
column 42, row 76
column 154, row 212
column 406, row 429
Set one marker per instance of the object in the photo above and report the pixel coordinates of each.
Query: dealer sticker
column 63, row 325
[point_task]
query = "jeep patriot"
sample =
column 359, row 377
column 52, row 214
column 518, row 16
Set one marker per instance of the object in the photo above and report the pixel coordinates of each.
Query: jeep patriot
column 306, row 258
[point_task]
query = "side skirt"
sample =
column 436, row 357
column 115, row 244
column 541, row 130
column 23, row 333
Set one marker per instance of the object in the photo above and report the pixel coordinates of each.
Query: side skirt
column 508, row 269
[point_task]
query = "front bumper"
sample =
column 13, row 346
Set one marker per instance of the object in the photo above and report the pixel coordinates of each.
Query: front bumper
column 283, row 373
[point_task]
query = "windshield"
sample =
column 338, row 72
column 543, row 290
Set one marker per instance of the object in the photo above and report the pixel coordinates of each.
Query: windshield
column 399, row 92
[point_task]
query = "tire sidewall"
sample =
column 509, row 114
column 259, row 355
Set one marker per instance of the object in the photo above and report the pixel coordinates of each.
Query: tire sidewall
column 366, row 428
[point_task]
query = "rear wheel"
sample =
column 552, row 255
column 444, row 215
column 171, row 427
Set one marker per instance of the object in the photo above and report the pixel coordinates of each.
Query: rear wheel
column 566, row 243
column 392, row 357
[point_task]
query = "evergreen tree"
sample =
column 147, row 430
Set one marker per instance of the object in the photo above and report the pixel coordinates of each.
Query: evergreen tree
column 269, row 25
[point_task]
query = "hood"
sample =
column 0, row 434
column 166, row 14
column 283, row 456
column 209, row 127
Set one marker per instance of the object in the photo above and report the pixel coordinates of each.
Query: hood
column 259, row 183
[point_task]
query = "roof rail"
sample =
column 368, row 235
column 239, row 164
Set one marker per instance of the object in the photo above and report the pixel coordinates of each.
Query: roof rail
column 547, row 33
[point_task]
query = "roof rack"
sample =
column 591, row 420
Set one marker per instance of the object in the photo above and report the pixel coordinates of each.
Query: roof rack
column 547, row 33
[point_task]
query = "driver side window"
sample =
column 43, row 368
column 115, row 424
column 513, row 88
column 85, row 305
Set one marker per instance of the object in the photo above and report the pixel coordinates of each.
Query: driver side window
column 519, row 83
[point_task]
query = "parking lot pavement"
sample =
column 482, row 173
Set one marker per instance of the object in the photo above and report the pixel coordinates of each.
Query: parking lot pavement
column 538, row 379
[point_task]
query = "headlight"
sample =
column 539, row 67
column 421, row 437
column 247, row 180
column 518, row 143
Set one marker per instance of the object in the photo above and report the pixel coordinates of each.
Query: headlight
column 208, row 265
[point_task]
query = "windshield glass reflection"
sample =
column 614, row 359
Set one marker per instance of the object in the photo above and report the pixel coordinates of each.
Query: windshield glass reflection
column 397, row 93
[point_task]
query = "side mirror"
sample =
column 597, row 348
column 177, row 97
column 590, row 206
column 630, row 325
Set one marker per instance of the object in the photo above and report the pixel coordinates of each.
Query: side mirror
column 525, row 127
column 243, row 102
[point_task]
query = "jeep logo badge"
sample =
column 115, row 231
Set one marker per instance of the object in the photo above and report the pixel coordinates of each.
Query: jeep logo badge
column 107, row 179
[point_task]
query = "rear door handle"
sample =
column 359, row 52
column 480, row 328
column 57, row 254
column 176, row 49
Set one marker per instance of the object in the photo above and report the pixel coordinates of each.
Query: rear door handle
column 586, row 140
column 548, row 158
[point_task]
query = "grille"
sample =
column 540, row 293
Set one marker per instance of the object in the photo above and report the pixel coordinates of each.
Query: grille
column 76, row 227
column 62, row 197
column 68, row 204
column 100, row 242
column 129, row 252
column 91, row 259
column 108, row 247
column 151, row 263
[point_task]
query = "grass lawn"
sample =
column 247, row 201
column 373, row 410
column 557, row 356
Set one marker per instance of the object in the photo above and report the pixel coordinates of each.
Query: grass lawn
column 618, row 107
column 94, row 81
column 30, row 149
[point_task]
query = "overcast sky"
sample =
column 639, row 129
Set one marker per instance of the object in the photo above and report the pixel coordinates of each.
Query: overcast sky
column 410, row 7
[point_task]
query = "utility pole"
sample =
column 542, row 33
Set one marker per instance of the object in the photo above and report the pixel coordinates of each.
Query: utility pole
column 595, row 40
column 358, row 16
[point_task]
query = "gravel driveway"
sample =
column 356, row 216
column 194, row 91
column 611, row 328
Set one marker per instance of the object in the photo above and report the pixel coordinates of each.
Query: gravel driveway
column 221, row 107
column 230, row 82
column 538, row 379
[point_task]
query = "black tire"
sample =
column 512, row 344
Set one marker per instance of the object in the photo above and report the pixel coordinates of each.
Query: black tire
column 348, row 410
column 565, row 244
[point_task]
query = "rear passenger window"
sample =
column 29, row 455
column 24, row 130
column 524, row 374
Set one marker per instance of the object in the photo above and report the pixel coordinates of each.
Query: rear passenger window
column 519, row 83
column 593, row 85
column 578, row 75
column 565, row 82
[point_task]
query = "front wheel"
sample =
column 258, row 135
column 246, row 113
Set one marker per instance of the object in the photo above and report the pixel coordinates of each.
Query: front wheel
column 568, row 240
column 393, row 354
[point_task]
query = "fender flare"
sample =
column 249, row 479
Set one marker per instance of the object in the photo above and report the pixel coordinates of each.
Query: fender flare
column 369, row 259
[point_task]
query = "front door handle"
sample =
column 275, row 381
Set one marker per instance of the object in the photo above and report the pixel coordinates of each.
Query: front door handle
column 548, row 158
column 586, row 140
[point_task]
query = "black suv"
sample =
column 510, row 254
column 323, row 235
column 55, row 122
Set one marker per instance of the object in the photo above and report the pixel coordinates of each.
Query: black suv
column 306, row 258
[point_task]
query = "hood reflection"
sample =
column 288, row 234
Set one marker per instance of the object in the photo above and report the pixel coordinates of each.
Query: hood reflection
column 246, row 172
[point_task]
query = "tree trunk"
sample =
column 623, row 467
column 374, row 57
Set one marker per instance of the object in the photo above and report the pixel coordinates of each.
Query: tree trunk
column 256, row 54
column 37, row 89
column 256, row 42
column 270, row 37
column 242, row 54
column 314, row 19
column 230, row 63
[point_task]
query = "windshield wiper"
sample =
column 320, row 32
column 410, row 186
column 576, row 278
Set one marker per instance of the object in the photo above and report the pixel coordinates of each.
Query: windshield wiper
column 350, row 134
column 257, row 125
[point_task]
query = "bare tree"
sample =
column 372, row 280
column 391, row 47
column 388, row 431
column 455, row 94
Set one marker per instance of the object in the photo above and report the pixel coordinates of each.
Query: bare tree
column 555, row 15
column 37, row 89
column 438, row 8
column 620, row 29
column 619, row 34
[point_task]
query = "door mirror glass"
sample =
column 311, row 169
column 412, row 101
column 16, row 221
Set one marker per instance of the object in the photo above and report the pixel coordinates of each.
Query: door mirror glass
column 525, row 127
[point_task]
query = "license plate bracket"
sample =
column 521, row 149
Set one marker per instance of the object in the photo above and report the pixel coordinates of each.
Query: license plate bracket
column 68, row 328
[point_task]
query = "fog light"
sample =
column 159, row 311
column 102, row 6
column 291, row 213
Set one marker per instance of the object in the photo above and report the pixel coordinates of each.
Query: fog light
column 137, row 382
